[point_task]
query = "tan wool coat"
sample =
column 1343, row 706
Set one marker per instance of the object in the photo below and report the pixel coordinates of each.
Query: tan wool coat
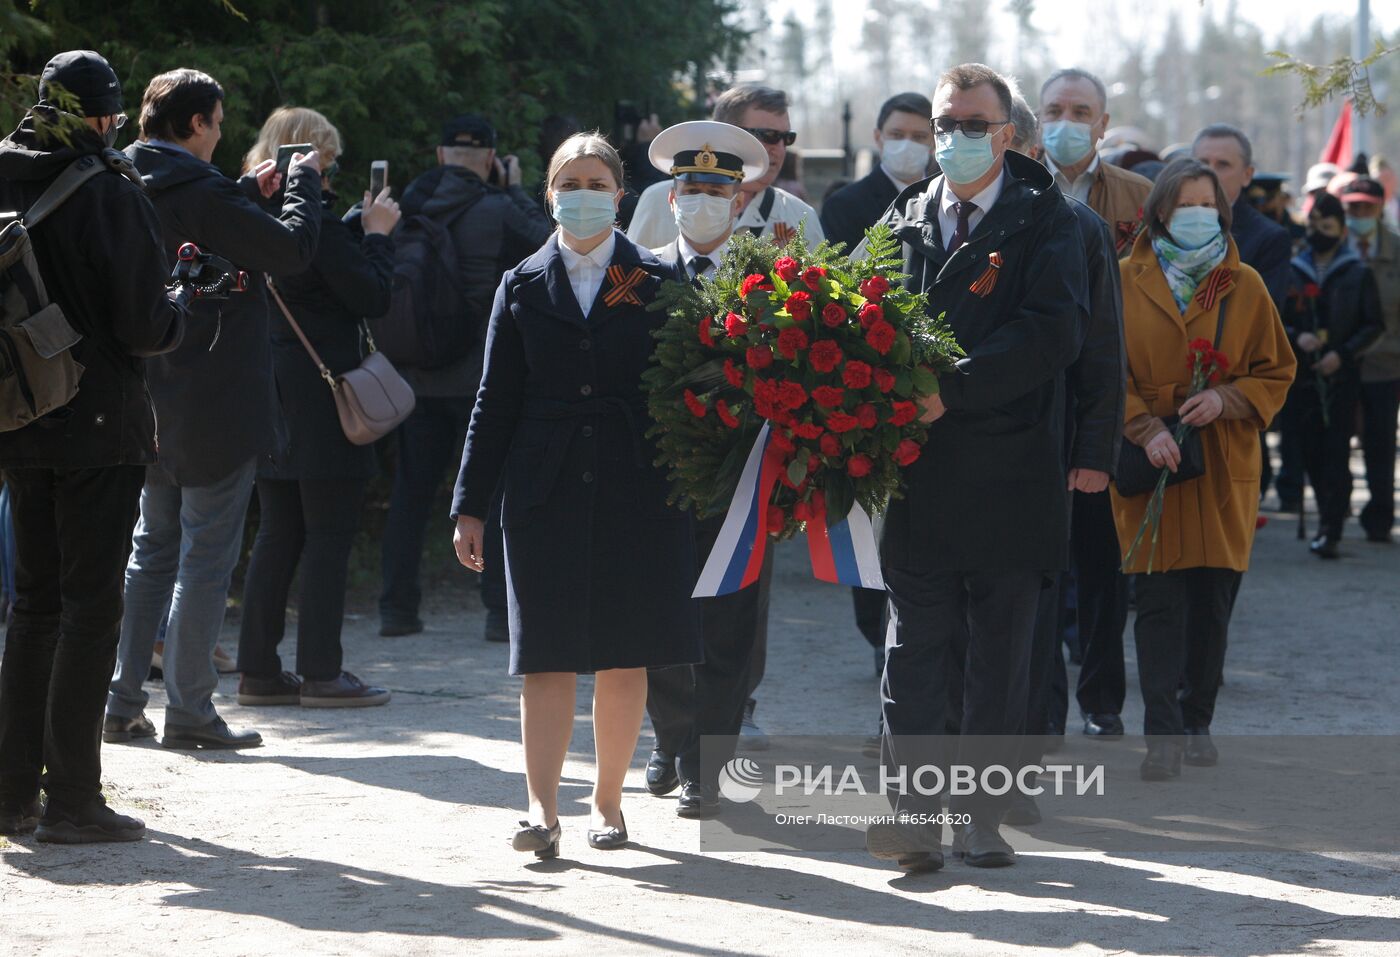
column 1206, row 522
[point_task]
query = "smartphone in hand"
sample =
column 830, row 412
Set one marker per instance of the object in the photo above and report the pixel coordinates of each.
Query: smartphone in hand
column 378, row 177
column 284, row 156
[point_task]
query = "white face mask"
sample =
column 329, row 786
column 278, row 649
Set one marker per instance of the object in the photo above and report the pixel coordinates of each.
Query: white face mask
column 702, row 218
column 906, row 160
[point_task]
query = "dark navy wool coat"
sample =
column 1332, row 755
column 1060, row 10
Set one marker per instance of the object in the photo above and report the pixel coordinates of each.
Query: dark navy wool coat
column 599, row 568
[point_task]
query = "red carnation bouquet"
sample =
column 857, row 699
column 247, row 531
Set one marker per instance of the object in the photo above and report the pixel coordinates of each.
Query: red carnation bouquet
column 1207, row 365
column 831, row 354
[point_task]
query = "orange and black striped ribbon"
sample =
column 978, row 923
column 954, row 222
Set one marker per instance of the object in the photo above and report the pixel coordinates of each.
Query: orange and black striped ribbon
column 623, row 285
column 1128, row 230
column 988, row 280
column 783, row 234
column 1219, row 282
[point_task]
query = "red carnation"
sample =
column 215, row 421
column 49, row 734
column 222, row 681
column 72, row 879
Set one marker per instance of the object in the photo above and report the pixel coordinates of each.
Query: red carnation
column 696, row 407
column 754, row 281
column 808, row 430
column 780, row 441
column 734, row 374
column 1312, row 290
column 867, row 416
column 870, row 313
column 906, row 453
column 859, row 465
column 799, row 306
column 833, row 315
column 813, row 463
column 735, row 326
column 904, row 413
column 787, row 268
column 791, row 395
column 776, row 519
column 765, row 397
column 841, row 422
column 825, row 356
column 830, row 445
column 706, row 334
column 829, row 396
column 802, row 512
column 856, row 374
column 812, row 277
column 725, row 416
column 758, row 357
column 875, row 288
column 880, row 336
column 884, row 379
column 791, row 341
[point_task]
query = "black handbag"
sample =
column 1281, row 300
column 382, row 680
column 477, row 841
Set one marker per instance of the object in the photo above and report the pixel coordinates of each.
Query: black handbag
column 1136, row 475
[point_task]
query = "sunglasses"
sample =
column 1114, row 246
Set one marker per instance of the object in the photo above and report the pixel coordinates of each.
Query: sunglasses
column 772, row 137
column 972, row 129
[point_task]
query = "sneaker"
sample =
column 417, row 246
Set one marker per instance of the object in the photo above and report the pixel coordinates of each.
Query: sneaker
column 95, row 823
column 224, row 663
column 751, row 736
column 119, row 730
column 345, row 691
column 277, row 689
column 19, row 818
column 397, row 629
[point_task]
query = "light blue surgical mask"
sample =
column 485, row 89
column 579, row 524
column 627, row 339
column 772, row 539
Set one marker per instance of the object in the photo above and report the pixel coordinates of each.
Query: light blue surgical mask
column 1067, row 142
column 1194, row 226
column 584, row 213
column 1362, row 227
column 963, row 159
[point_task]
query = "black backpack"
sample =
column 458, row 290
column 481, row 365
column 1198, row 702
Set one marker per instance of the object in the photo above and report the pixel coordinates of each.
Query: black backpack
column 427, row 325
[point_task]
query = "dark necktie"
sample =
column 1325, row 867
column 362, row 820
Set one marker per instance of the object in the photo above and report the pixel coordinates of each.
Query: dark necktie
column 1363, row 246
column 698, row 265
column 964, row 213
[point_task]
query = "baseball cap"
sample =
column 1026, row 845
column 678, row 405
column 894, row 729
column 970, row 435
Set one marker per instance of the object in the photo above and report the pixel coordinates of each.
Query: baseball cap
column 1363, row 189
column 469, row 130
column 85, row 75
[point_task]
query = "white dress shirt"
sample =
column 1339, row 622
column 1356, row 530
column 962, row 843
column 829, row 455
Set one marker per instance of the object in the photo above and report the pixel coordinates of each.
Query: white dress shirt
column 586, row 270
column 654, row 225
column 714, row 256
column 1079, row 189
column 948, row 217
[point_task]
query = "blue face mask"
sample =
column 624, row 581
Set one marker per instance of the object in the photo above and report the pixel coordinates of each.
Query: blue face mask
column 1067, row 142
column 1362, row 227
column 584, row 213
column 1194, row 226
column 962, row 159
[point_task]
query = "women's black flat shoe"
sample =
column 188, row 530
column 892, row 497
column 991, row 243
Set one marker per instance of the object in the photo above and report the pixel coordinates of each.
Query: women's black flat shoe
column 544, row 841
column 609, row 838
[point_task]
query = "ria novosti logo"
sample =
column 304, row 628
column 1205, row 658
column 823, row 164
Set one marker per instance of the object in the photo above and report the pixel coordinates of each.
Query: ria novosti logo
column 740, row 780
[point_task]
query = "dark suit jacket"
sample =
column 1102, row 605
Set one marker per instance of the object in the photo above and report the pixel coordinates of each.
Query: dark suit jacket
column 988, row 492
column 853, row 209
column 1264, row 245
column 1097, row 379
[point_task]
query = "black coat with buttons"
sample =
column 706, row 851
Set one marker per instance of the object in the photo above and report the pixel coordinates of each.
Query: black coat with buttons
column 599, row 568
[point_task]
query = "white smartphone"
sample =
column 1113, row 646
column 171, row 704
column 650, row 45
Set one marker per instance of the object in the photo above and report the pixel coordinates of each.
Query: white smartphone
column 378, row 177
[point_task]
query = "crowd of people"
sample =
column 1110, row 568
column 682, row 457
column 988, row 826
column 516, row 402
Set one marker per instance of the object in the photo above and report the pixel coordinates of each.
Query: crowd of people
column 1113, row 264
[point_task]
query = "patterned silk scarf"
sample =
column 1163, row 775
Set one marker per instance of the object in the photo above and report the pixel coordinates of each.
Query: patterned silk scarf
column 1185, row 268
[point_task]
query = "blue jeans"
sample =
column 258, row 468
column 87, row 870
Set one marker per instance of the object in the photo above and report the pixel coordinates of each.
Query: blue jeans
column 186, row 545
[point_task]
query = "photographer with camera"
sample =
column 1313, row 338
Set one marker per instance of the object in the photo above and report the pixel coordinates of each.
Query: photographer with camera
column 75, row 474
column 216, row 403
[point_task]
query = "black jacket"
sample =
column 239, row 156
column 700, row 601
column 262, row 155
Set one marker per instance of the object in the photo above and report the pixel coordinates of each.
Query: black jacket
column 494, row 229
column 1345, row 305
column 100, row 258
column 854, row 208
column 988, row 491
column 349, row 280
column 1264, row 245
column 215, row 395
column 1098, row 378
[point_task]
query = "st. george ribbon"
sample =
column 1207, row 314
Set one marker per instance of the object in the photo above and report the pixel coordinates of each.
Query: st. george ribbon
column 844, row 553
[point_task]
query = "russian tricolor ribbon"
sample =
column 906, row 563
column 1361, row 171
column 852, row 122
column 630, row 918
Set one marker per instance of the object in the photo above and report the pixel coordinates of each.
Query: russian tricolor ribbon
column 844, row 553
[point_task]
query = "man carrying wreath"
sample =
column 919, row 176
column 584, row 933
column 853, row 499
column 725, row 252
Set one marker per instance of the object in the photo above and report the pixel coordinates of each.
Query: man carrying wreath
column 984, row 518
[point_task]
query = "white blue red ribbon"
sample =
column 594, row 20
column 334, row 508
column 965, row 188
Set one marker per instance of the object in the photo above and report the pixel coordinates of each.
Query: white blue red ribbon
column 845, row 553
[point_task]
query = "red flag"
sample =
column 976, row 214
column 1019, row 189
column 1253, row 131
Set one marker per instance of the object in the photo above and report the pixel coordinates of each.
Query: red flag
column 1338, row 148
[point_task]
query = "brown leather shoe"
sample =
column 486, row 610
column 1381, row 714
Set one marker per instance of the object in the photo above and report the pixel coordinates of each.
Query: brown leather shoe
column 275, row 689
column 345, row 691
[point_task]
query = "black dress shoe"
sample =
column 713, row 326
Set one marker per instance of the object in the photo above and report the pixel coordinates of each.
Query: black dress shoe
column 608, row 838
column 661, row 773
column 1324, row 546
column 981, row 845
column 214, row 736
column 1379, row 538
column 119, row 730
column 1200, row 750
column 18, row 818
column 697, row 801
column 1023, row 811
column 544, row 841
column 393, row 628
column 1103, row 726
column 916, row 848
column 94, row 823
column 1163, row 761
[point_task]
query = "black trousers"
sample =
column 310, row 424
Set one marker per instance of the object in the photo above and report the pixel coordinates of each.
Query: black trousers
column 1182, row 629
column 1380, row 403
column 1326, row 444
column 691, row 701
column 309, row 523
column 72, row 540
column 869, row 604
column 931, row 614
column 1103, row 604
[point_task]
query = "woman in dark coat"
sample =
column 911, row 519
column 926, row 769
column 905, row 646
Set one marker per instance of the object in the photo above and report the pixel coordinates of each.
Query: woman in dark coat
column 599, row 568
column 309, row 494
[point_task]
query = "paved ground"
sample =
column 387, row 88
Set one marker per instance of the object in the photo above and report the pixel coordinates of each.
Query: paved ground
column 384, row 831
